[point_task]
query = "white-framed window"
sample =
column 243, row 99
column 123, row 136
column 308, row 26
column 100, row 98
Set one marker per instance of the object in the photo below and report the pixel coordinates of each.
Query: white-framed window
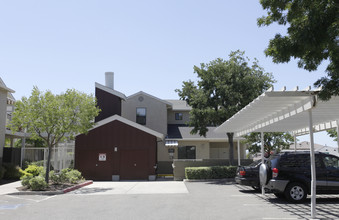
column 141, row 116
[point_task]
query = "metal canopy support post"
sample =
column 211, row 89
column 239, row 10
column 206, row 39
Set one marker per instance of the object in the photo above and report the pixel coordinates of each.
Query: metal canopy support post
column 338, row 134
column 313, row 171
column 238, row 152
column 295, row 143
column 262, row 158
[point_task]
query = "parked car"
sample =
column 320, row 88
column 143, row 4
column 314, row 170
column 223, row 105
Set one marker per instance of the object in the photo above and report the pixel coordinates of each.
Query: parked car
column 249, row 175
column 288, row 175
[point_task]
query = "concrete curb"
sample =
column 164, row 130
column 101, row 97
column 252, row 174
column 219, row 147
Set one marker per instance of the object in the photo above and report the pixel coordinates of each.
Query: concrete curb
column 50, row 193
column 229, row 180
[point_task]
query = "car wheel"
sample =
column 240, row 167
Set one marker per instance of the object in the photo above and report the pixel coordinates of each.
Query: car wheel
column 279, row 195
column 263, row 174
column 296, row 193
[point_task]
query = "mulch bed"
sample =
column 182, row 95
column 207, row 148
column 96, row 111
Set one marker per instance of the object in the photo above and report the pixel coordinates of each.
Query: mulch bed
column 51, row 187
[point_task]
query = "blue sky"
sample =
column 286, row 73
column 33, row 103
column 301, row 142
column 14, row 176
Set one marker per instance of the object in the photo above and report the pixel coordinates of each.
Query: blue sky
column 150, row 45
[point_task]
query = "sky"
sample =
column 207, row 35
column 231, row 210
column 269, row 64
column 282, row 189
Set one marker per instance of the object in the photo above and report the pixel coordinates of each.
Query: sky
column 151, row 46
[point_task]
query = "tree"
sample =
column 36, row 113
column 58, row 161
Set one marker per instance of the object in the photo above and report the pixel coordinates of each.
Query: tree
column 223, row 88
column 333, row 134
column 51, row 117
column 312, row 37
column 273, row 141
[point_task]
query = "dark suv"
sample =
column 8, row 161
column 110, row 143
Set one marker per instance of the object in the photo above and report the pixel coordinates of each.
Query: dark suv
column 288, row 175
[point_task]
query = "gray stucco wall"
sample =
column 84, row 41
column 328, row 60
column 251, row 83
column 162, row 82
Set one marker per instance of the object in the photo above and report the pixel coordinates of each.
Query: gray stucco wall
column 156, row 111
column 171, row 117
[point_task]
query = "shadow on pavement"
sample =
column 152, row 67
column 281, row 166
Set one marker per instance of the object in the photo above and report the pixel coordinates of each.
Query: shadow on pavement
column 327, row 206
column 91, row 190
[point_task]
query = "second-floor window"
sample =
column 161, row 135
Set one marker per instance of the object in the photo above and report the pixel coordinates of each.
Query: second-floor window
column 178, row 116
column 141, row 116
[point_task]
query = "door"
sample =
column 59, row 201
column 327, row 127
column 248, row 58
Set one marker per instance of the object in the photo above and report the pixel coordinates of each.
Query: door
column 134, row 164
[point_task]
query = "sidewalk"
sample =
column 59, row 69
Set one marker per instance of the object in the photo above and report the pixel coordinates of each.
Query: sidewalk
column 10, row 188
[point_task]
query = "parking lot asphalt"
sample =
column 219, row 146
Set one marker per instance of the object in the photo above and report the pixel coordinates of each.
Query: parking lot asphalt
column 193, row 200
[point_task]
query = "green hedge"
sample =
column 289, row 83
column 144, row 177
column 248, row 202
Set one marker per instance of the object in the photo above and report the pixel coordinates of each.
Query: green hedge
column 214, row 172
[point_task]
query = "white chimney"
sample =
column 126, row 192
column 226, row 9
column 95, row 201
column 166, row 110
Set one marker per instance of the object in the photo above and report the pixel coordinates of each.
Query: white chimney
column 109, row 79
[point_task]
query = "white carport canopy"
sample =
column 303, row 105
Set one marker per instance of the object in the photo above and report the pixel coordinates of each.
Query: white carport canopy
column 283, row 111
column 286, row 111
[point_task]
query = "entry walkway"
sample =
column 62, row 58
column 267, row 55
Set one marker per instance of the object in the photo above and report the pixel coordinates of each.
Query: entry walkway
column 132, row 187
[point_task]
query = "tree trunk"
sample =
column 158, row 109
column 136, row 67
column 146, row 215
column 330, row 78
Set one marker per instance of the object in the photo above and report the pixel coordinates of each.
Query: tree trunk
column 230, row 141
column 48, row 163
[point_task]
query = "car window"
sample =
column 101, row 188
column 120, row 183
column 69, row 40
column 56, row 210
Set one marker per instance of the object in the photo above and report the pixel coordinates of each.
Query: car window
column 331, row 162
column 298, row 161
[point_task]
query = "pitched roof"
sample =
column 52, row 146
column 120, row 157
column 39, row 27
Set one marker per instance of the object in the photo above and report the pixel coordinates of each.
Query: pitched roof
column 179, row 105
column 183, row 132
column 111, row 91
column 151, row 96
column 128, row 122
column 4, row 87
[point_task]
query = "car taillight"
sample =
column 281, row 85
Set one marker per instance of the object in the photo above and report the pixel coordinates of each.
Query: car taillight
column 275, row 172
column 242, row 173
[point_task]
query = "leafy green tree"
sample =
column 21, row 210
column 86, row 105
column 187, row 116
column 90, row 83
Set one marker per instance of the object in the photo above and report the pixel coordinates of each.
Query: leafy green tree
column 31, row 143
column 223, row 88
column 333, row 134
column 312, row 37
column 273, row 141
column 51, row 118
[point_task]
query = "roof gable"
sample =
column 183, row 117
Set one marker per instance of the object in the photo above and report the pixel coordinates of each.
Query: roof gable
column 111, row 91
column 148, row 95
column 128, row 122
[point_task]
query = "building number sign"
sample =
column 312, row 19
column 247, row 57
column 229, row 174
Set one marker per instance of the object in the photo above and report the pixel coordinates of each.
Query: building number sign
column 102, row 156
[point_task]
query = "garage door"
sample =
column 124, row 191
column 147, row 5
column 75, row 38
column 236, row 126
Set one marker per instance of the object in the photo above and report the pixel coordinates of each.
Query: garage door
column 134, row 164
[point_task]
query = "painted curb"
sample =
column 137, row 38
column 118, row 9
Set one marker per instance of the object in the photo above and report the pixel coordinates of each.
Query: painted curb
column 77, row 186
column 50, row 193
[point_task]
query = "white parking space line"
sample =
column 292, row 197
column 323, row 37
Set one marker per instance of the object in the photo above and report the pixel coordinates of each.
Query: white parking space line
column 29, row 199
column 246, row 195
column 278, row 218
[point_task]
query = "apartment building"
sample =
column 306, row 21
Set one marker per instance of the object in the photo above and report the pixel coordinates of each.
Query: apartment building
column 139, row 136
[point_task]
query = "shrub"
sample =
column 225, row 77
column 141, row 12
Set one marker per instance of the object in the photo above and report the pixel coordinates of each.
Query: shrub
column 34, row 170
column 74, row 176
column 58, row 178
column 214, row 172
column 12, row 172
column 65, row 175
column 25, row 179
column 37, row 183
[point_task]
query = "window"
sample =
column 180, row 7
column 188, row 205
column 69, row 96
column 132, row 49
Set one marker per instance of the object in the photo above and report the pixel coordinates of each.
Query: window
column 331, row 162
column 178, row 116
column 141, row 116
column 186, row 152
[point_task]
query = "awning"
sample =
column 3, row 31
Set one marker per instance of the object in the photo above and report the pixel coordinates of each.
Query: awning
column 170, row 143
column 284, row 111
column 298, row 112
